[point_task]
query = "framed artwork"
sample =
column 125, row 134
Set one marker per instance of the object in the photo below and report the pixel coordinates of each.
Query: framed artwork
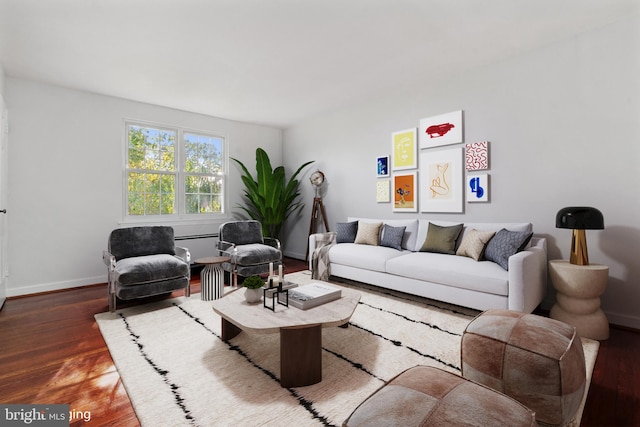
column 383, row 195
column 440, row 130
column 476, row 156
column 478, row 188
column 441, row 181
column 383, row 166
column 404, row 146
column 405, row 192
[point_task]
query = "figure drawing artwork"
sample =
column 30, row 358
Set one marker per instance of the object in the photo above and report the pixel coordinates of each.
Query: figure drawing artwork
column 441, row 181
column 405, row 149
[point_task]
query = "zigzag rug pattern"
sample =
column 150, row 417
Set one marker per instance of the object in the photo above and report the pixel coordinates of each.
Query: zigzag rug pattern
column 177, row 369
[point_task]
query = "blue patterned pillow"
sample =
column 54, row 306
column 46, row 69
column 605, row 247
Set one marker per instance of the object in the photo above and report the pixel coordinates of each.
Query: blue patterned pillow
column 392, row 237
column 346, row 232
column 504, row 244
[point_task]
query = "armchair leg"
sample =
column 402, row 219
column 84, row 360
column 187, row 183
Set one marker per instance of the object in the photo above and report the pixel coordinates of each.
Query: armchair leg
column 112, row 302
column 235, row 278
column 187, row 290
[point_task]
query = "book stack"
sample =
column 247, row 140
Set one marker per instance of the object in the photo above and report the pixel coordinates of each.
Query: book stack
column 313, row 295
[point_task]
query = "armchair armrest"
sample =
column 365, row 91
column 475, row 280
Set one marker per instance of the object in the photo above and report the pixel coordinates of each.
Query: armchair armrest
column 183, row 253
column 226, row 247
column 109, row 260
column 272, row 241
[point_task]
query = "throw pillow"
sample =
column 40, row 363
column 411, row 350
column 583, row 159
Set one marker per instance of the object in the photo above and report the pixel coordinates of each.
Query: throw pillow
column 368, row 233
column 473, row 243
column 441, row 239
column 346, row 232
column 392, row 237
column 504, row 244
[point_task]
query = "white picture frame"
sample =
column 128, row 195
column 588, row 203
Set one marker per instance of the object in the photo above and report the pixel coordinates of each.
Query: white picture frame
column 443, row 129
column 441, row 181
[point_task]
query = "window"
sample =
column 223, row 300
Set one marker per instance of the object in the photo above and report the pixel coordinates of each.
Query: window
column 173, row 172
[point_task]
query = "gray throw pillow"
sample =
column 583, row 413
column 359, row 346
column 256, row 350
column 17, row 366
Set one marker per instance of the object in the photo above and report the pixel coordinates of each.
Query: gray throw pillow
column 504, row 244
column 441, row 239
column 392, row 237
column 346, row 232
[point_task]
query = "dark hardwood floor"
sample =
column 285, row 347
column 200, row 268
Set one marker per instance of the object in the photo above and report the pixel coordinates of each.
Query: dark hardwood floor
column 51, row 351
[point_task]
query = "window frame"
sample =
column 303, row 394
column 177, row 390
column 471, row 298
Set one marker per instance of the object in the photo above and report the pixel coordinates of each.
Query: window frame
column 179, row 216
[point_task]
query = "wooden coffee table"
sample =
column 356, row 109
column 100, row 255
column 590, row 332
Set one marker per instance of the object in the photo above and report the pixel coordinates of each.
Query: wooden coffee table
column 300, row 330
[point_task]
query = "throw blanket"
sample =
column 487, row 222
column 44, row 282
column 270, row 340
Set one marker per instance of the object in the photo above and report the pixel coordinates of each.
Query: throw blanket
column 320, row 258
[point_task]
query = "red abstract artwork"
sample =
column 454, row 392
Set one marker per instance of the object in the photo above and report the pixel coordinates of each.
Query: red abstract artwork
column 436, row 131
column 477, row 156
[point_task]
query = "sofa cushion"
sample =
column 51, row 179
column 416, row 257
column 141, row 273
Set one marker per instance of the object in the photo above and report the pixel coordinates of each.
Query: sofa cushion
column 368, row 233
column 149, row 268
column 410, row 232
column 474, row 243
column 346, row 231
column 504, row 244
column 363, row 256
column 441, row 239
column 392, row 236
column 457, row 271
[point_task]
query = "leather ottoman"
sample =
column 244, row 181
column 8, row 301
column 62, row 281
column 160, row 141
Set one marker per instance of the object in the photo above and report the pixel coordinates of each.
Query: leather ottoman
column 536, row 360
column 427, row 396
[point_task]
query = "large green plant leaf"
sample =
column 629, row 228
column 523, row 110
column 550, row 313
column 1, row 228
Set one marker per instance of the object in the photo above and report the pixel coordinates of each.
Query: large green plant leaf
column 270, row 198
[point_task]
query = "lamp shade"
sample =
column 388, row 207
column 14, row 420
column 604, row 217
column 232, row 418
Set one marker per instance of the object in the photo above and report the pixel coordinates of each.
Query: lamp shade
column 580, row 218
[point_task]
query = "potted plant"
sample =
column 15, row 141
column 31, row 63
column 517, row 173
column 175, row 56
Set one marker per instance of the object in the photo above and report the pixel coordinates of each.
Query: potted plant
column 270, row 197
column 253, row 293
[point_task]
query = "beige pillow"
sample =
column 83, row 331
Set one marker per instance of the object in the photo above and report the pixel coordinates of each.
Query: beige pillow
column 474, row 242
column 368, row 233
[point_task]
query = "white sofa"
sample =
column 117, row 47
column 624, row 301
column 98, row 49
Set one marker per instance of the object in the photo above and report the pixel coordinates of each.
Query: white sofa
column 454, row 279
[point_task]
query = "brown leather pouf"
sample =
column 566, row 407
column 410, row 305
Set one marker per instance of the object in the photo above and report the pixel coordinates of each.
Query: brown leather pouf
column 536, row 360
column 427, row 396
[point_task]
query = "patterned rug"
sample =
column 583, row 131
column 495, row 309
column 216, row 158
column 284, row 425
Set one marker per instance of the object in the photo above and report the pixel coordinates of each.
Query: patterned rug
column 178, row 371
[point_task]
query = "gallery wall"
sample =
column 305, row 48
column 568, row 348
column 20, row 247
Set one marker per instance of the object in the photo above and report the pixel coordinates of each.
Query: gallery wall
column 562, row 123
column 66, row 152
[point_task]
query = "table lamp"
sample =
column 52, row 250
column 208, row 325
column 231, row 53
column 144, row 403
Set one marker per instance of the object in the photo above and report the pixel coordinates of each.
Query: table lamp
column 579, row 219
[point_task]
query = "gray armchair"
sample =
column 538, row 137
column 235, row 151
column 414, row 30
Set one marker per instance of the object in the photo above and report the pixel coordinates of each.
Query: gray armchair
column 144, row 261
column 250, row 252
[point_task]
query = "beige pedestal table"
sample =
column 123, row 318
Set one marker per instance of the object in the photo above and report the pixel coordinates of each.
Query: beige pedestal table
column 578, row 297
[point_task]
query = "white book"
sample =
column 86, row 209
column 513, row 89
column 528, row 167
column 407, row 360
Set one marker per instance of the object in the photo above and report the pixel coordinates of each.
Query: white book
column 312, row 295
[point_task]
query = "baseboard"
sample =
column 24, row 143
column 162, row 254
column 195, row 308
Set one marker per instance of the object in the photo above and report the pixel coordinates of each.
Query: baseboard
column 632, row 322
column 54, row 286
column 294, row 255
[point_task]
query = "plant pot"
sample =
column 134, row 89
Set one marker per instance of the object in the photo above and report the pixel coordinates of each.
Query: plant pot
column 253, row 296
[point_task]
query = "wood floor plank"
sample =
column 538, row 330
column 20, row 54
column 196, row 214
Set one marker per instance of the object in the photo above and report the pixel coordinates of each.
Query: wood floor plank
column 53, row 352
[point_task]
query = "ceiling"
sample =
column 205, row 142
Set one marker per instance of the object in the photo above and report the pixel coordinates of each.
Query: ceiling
column 275, row 62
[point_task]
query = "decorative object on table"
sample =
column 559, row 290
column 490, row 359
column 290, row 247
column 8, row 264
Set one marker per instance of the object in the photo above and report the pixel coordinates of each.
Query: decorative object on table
column 579, row 219
column 269, row 198
column 404, row 146
column 275, row 289
column 383, row 195
column 313, row 295
column 144, row 261
column 253, row 291
column 250, row 252
column 441, row 181
column 478, row 188
column 212, row 277
column 476, row 156
column 443, row 129
column 405, row 192
column 382, row 166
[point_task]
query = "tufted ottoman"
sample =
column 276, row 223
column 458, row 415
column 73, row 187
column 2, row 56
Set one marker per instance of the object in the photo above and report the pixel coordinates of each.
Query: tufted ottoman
column 536, row 360
column 427, row 396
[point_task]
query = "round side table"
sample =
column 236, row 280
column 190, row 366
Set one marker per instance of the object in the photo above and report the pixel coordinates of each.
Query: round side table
column 212, row 277
column 578, row 299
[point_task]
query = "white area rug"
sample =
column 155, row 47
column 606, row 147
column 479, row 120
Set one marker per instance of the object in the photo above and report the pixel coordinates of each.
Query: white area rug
column 178, row 371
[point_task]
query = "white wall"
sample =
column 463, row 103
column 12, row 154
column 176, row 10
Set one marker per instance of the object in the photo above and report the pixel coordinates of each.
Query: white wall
column 563, row 126
column 65, row 178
